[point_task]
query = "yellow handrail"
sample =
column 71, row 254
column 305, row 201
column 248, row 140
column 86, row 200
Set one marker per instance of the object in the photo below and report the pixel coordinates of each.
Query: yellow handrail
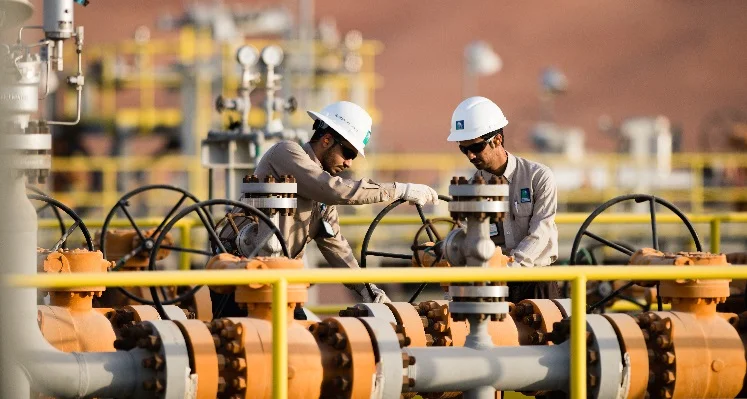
column 440, row 167
column 281, row 278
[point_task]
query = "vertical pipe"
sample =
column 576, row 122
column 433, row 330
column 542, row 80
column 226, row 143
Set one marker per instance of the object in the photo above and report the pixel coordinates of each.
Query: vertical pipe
column 578, row 338
column 18, row 305
column 715, row 235
column 279, row 339
column 186, row 238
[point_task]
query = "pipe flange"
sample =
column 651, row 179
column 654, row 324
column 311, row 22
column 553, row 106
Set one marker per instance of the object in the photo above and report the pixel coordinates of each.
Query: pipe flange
column 271, row 195
column 126, row 323
column 603, row 355
column 534, row 319
column 440, row 329
column 166, row 357
column 378, row 310
column 633, row 344
column 460, row 310
column 269, row 188
column 476, row 199
column 478, row 291
column 657, row 332
column 230, row 344
column 565, row 306
column 478, row 190
column 487, row 207
column 407, row 317
column 348, row 357
column 493, row 306
column 202, row 355
column 393, row 363
column 271, row 203
column 171, row 347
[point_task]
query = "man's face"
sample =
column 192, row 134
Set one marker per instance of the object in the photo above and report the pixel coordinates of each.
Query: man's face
column 338, row 155
column 480, row 152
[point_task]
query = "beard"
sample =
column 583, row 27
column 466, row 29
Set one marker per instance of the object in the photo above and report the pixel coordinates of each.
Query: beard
column 328, row 164
column 479, row 164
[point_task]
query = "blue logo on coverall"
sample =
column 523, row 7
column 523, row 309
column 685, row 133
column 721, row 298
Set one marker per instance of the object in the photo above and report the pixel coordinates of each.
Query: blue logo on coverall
column 525, row 195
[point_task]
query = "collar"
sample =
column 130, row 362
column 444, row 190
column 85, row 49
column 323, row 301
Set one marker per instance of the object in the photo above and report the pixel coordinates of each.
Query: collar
column 312, row 155
column 510, row 167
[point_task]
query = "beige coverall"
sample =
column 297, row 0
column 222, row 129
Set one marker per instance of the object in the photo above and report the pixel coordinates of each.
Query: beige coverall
column 528, row 232
column 318, row 193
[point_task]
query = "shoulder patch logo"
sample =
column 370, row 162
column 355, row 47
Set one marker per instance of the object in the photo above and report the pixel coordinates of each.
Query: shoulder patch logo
column 460, row 125
column 525, row 197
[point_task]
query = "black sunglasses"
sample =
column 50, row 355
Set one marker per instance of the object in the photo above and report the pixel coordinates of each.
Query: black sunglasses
column 347, row 152
column 475, row 148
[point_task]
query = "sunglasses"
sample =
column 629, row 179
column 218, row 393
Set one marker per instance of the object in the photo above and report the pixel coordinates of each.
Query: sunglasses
column 347, row 152
column 475, row 148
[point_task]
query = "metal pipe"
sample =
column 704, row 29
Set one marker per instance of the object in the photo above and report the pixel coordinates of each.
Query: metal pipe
column 79, row 375
column 479, row 339
column 18, row 307
column 504, row 368
column 47, row 370
column 385, row 275
column 480, row 248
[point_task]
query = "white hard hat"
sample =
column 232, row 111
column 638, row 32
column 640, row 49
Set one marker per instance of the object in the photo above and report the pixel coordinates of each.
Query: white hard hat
column 349, row 120
column 475, row 117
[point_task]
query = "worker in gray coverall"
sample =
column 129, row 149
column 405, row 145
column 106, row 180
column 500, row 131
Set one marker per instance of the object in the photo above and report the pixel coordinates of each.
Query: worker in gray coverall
column 528, row 233
column 341, row 131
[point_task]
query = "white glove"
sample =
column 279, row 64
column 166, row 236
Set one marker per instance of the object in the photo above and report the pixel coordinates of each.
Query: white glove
column 416, row 194
column 379, row 295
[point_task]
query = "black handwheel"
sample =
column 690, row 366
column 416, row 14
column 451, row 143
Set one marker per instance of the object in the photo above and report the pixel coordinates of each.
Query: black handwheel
column 40, row 210
column 428, row 227
column 598, row 290
column 215, row 242
column 146, row 239
column 77, row 221
column 652, row 200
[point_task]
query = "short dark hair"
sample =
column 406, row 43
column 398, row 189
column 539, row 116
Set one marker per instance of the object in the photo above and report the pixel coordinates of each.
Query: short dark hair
column 320, row 129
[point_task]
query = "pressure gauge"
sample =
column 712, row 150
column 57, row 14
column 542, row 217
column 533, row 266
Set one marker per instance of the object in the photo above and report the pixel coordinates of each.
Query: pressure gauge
column 272, row 55
column 247, row 55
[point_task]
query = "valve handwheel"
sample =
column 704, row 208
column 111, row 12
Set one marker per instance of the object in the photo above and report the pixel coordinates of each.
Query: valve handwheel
column 638, row 198
column 215, row 244
column 77, row 221
column 427, row 226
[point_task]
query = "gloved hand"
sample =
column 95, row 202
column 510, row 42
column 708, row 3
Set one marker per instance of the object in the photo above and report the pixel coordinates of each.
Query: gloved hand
column 416, row 194
column 379, row 295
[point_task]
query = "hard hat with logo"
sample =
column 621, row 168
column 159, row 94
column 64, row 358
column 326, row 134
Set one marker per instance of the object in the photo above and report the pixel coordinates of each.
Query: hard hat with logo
column 475, row 117
column 349, row 120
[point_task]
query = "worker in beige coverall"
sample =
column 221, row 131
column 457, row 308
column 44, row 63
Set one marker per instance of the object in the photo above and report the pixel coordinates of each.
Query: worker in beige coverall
column 341, row 131
column 528, row 233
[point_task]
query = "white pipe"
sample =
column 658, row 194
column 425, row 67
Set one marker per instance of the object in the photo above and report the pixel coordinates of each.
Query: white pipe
column 504, row 368
column 47, row 370
column 80, row 375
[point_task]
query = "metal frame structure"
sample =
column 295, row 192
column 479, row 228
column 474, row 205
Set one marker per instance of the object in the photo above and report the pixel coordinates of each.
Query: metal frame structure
column 715, row 222
column 578, row 276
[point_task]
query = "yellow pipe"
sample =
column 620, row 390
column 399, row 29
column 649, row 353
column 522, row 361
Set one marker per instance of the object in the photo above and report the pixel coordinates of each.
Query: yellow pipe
column 715, row 235
column 279, row 339
column 561, row 218
column 185, row 238
column 578, row 337
column 383, row 275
